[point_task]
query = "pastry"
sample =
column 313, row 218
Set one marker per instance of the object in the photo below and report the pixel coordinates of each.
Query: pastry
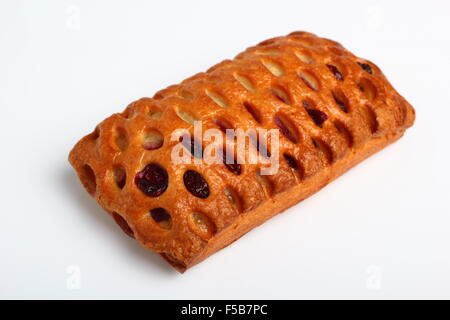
column 331, row 109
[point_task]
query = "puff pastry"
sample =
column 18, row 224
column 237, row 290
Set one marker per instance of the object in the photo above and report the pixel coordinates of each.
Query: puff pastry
column 332, row 108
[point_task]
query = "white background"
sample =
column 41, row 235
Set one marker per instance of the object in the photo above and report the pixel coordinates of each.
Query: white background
column 380, row 231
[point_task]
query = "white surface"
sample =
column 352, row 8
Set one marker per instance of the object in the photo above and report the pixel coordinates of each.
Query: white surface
column 380, row 231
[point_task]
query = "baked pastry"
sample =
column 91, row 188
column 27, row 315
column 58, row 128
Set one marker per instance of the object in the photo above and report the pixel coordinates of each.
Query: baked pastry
column 332, row 110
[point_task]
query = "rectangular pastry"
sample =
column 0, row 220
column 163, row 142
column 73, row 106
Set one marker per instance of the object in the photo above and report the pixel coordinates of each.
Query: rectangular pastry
column 331, row 109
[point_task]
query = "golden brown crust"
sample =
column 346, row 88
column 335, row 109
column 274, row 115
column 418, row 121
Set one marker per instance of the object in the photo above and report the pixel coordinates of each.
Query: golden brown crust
column 339, row 108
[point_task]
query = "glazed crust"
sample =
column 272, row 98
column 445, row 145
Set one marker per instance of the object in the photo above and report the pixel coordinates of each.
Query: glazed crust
column 338, row 110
